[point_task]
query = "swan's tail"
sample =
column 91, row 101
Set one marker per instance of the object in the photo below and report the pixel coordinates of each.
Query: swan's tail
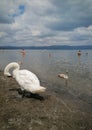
column 39, row 90
column 43, row 89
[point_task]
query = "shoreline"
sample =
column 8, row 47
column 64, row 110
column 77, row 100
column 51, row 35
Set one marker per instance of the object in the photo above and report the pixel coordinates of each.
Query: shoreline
column 51, row 111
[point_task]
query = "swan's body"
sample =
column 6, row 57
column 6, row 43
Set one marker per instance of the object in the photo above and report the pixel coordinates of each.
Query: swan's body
column 27, row 80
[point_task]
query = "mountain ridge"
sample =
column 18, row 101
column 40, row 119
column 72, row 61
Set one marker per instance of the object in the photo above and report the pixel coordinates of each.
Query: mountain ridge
column 52, row 47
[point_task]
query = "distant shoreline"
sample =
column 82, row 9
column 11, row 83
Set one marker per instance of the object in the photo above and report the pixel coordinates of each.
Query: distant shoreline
column 54, row 47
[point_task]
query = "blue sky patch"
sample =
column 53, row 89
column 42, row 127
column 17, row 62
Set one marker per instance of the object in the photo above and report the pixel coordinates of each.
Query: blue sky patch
column 22, row 9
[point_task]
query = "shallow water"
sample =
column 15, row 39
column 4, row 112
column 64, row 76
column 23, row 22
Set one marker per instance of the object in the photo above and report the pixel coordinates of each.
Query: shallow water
column 47, row 64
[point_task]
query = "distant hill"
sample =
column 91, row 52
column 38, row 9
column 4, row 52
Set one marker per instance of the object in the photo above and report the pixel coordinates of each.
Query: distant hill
column 54, row 47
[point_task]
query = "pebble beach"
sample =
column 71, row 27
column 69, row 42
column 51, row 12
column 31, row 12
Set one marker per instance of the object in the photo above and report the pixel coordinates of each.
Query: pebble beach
column 48, row 111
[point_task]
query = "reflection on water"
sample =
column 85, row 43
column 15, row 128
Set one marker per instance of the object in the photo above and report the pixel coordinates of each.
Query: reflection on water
column 48, row 64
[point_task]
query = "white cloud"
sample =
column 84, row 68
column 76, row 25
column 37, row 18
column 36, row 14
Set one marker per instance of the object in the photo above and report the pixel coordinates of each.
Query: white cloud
column 33, row 22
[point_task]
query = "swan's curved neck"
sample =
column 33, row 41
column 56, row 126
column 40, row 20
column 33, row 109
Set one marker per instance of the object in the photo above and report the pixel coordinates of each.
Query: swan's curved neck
column 13, row 65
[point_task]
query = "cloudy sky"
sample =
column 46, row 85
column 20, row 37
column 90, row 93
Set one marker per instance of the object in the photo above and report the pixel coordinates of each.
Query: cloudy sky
column 45, row 22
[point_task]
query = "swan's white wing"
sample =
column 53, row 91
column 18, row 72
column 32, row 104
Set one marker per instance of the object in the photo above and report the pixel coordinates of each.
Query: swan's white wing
column 27, row 79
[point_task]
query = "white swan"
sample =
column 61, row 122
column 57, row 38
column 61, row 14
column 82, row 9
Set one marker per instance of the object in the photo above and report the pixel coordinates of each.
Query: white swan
column 27, row 80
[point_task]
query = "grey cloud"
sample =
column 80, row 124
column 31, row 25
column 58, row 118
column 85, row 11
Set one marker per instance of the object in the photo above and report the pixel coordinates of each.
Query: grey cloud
column 68, row 25
column 71, row 14
column 6, row 19
column 47, row 22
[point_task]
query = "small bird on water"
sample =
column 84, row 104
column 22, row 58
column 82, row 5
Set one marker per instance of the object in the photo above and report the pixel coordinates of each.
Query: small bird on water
column 64, row 76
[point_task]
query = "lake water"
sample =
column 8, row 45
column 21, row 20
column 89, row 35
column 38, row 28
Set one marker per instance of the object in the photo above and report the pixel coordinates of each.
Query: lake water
column 47, row 64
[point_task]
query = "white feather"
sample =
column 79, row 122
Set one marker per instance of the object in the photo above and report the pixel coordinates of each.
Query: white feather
column 26, row 79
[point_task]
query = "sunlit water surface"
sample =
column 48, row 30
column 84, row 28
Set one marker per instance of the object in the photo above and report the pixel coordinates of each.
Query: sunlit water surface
column 47, row 64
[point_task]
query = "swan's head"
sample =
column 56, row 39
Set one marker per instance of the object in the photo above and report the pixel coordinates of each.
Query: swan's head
column 7, row 74
column 13, row 65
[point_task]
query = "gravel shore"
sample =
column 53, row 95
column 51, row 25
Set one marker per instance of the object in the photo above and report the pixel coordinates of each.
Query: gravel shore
column 48, row 111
